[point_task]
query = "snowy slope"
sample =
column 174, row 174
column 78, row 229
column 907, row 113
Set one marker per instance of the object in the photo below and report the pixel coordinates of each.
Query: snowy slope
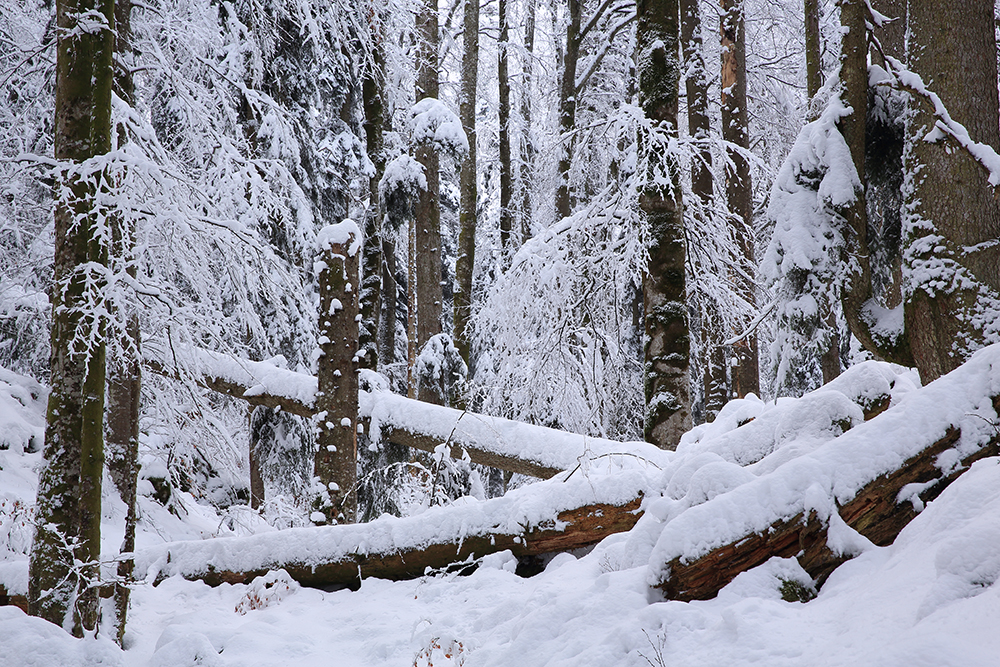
column 928, row 599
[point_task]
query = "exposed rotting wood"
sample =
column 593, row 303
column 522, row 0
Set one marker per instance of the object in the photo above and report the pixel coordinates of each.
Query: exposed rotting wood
column 877, row 512
column 576, row 528
column 15, row 599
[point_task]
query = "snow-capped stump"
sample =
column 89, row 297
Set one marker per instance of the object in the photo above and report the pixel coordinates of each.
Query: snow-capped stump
column 337, row 378
column 827, row 506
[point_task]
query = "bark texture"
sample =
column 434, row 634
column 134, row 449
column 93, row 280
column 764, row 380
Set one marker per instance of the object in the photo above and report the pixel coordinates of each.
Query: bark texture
column 63, row 567
column 696, row 82
column 858, row 293
column 814, row 63
column 567, row 108
column 739, row 189
column 124, row 387
column 951, row 213
column 465, row 262
column 424, row 276
column 372, row 287
column 503, row 115
column 337, row 396
column 527, row 144
column 667, row 344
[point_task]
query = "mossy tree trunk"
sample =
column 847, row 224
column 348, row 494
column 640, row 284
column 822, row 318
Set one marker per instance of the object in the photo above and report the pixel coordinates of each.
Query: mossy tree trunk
column 63, row 568
column 667, row 346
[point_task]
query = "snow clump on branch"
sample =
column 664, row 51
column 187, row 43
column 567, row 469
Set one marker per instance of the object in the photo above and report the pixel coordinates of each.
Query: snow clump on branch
column 434, row 123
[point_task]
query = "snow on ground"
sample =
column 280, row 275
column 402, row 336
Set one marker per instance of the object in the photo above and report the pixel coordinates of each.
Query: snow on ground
column 928, row 599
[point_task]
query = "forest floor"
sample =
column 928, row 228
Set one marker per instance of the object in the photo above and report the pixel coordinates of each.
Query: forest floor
column 927, row 599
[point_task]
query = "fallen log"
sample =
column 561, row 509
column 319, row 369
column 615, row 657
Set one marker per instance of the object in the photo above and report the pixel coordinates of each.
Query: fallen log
column 506, row 444
column 878, row 511
column 532, row 523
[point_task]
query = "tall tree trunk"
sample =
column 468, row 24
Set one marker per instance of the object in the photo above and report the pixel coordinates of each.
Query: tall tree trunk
column 465, row 262
column 372, row 288
column 567, row 109
column 859, row 292
column 667, row 349
column 739, row 190
column 124, row 387
column 424, row 278
column 63, row 568
column 503, row 115
column 814, row 62
column 337, row 394
column 951, row 260
column 527, row 145
column 700, row 127
column 854, row 75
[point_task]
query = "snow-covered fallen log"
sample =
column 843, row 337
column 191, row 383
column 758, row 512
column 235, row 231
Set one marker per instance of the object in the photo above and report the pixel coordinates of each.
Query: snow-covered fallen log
column 561, row 514
column 830, row 504
column 513, row 446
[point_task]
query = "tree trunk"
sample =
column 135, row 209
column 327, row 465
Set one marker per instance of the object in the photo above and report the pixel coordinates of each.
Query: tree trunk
column 258, row 427
column 527, row 146
column 387, row 317
column 63, row 569
column 337, row 395
column 700, row 127
column 124, row 387
column 567, row 109
column 739, row 190
column 503, row 114
column 465, row 262
column 372, row 288
column 667, row 353
column 859, row 291
column 424, row 277
column 892, row 36
column 950, row 208
column 814, row 62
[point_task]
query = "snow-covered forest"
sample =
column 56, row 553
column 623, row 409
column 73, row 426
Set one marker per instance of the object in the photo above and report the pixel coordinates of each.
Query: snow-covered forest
column 542, row 332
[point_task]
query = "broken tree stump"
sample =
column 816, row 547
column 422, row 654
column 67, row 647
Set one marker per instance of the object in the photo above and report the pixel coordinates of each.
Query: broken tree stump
column 336, row 419
column 878, row 511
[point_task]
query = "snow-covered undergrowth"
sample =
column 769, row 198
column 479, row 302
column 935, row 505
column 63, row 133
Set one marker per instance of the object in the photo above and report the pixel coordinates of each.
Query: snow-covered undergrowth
column 928, row 599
